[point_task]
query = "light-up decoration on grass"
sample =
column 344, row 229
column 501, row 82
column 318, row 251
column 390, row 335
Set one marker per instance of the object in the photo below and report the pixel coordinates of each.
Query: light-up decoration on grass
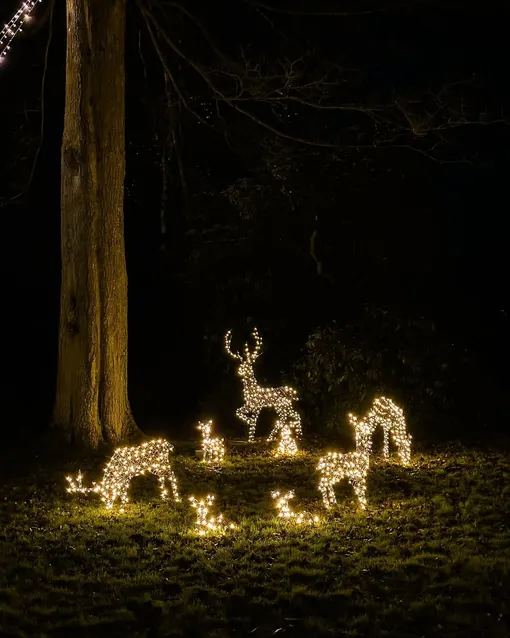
column 206, row 524
column 152, row 457
column 285, row 512
column 287, row 445
column 15, row 26
column 386, row 414
column 256, row 397
column 213, row 448
column 336, row 466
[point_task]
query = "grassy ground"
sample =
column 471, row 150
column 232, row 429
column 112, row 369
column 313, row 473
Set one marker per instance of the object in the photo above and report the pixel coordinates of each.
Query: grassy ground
column 430, row 557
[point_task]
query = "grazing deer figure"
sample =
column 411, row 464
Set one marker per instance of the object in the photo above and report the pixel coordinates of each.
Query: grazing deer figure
column 151, row 457
column 213, row 448
column 386, row 414
column 256, row 397
column 352, row 466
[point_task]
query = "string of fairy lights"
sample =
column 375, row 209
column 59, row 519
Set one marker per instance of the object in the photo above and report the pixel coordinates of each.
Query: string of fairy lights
column 15, row 26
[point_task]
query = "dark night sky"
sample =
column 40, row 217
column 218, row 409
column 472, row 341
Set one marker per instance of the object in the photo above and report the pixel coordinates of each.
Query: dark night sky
column 441, row 227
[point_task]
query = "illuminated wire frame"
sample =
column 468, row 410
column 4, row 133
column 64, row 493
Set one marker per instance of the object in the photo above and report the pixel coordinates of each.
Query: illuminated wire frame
column 15, row 26
column 387, row 415
column 206, row 524
column 213, row 448
column 336, row 466
column 126, row 463
column 285, row 512
column 256, row 397
column 287, row 445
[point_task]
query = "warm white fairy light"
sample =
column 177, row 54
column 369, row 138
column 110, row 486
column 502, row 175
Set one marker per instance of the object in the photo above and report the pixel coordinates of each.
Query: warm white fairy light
column 77, row 485
column 152, row 457
column 285, row 512
column 336, row 466
column 213, row 448
column 287, row 445
column 386, row 414
column 206, row 524
column 256, row 397
column 15, row 26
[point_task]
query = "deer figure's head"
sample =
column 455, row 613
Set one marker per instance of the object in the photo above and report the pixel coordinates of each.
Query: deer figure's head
column 248, row 357
column 205, row 428
column 362, row 432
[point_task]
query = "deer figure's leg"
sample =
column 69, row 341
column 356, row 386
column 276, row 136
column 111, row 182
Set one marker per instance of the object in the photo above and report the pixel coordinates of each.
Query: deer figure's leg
column 250, row 417
column 245, row 414
column 296, row 423
column 124, row 497
column 170, row 477
column 386, row 445
column 360, row 489
column 277, row 427
column 328, row 493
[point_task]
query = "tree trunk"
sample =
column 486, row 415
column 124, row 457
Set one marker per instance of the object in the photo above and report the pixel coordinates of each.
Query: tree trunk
column 92, row 403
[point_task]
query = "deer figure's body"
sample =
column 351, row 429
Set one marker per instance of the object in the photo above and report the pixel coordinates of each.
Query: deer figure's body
column 213, row 448
column 152, row 457
column 256, row 397
column 387, row 415
column 336, row 466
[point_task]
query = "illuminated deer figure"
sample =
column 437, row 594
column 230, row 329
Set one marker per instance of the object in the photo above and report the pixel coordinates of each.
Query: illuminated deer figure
column 126, row 463
column 213, row 448
column 386, row 414
column 256, row 397
column 352, row 466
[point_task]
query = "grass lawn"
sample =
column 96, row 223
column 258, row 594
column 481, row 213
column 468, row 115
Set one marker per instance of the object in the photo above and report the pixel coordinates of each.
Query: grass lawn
column 430, row 557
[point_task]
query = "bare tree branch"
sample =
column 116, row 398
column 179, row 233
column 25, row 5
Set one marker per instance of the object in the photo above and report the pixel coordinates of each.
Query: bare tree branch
column 327, row 13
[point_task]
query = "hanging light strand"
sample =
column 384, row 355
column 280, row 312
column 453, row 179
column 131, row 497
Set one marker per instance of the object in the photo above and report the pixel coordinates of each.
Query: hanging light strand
column 15, row 26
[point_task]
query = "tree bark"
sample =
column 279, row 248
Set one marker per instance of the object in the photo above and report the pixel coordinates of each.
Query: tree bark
column 92, row 405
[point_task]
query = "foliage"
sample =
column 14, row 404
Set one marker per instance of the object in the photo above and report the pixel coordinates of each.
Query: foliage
column 428, row 558
column 344, row 366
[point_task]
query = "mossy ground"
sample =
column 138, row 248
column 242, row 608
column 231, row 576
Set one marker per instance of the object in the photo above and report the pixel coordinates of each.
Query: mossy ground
column 430, row 557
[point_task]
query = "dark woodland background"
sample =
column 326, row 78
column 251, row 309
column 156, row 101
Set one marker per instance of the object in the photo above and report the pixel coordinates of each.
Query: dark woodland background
column 404, row 290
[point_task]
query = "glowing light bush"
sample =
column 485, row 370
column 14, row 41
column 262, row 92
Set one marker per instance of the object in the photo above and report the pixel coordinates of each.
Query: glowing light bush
column 213, row 448
column 152, row 457
column 256, row 397
column 285, row 512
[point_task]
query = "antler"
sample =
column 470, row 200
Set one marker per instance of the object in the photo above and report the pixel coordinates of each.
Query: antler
column 77, row 485
column 253, row 354
column 228, row 341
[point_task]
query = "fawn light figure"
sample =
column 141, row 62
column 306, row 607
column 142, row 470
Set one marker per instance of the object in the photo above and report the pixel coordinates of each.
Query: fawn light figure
column 213, row 448
column 352, row 466
column 386, row 414
column 152, row 457
column 285, row 511
column 336, row 466
column 256, row 397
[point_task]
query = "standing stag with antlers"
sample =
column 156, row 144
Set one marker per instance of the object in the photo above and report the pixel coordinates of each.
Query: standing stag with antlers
column 256, row 397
